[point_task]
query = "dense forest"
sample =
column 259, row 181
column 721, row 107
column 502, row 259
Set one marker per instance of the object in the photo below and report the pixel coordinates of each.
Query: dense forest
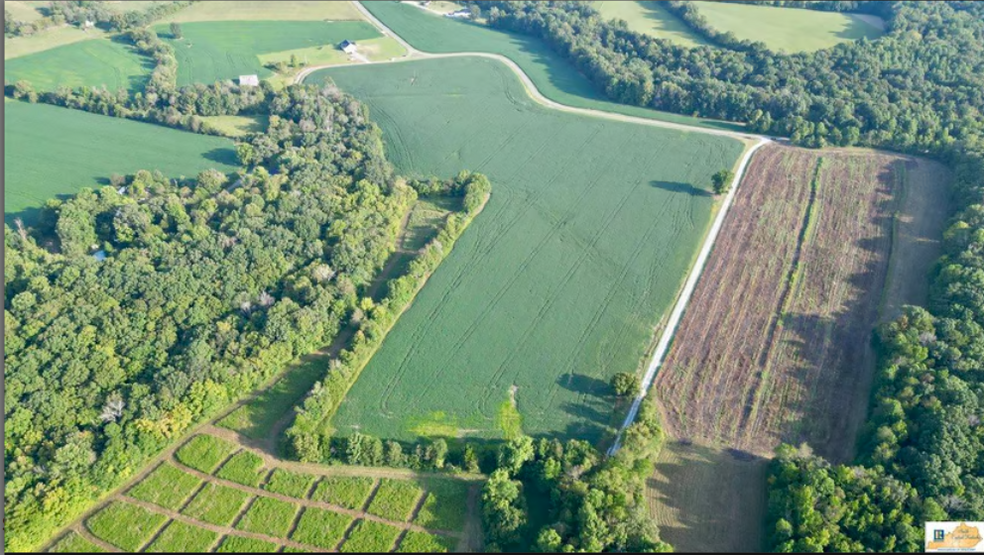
column 919, row 89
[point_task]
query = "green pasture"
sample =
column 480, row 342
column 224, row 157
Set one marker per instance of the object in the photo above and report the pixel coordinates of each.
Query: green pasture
column 221, row 50
column 239, row 544
column 216, row 504
column 422, row 542
column 204, row 452
column 101, row 62
column 348, row 492
column 23, row 11
column 650, row 18
column 556, row 78
column 320, row 528
column 52, row 151
column 789, row 29
column 563, row 279
column 179, row 537
column 395, row 499
column 266, row 10
column 15, row 47
column 124, row 525
column 166, row 486
column 73, row 542
column 368, row 536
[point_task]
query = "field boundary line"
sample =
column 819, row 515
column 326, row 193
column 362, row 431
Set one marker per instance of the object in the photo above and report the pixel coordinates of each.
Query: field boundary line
column 685, row 294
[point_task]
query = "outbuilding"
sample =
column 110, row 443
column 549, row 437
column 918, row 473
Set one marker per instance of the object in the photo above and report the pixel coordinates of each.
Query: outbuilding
column 348, row 46
column 249, row 81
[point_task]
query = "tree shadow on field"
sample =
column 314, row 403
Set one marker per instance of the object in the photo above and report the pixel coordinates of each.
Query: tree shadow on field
column 675, row 187
column 222, row 155
column 584, row 385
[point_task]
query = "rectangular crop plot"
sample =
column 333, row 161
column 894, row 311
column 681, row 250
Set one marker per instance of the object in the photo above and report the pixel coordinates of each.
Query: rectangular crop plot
column 422, row 542
column 124, row 525
column 348, row 492
column 239, row 544
column 216, row 504
column 370, row 537
column 166, row 486
column 269, row 516
column 321, row 528
column 395, row 499
column 445, row 507
column 560, row 283
column 90, row 63
column 244, row 468
column 204, row 453
column 73, row 542
column 179, row 537
column 291, row 484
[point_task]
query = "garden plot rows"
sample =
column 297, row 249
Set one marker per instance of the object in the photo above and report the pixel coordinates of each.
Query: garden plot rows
column 213, row 496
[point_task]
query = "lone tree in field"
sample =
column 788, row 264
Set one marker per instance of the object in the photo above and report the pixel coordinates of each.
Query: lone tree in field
column 176, row 30
column 722, row 181
column 625, row 384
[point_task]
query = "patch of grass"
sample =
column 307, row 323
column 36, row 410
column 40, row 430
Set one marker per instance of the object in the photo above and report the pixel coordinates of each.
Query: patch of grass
column 73, row 542
column 52, row 151
column 590, row 231
column 348, row 492
column 91, row 63
column 289, row 10
column 22, row 11
column 321, row 528
column 179, row 537
column 124, row 525
column 244, row 468
column 166, row 486
column 216, row 504
column 204, row 452
column 370, row 537
column 291, row 484
column 15, row 47
column 221, row 50
column 445, row 507
column 395, row 499
column 651, row 19
column 269, row 516
column 237, row 126
column 788, row 29
column 374, row 49
column 422, row 542
column 239, row 544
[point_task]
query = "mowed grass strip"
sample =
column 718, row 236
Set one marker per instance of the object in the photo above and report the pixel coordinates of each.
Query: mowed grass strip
column 244, row 468
column 445, row 506
column 321, row 528
column 204, row 452
column 216, row 504
column 239, row 544
column 124, row 525
column 166, row 486
column 290, row 10
column 395, row 499
column 291, row 484
column 348, row 492
column 422, row 542
column 370, row 537
column 590, row 232
column 269, row 516
column 101, row 62
column 73, row 542
column 179, row 537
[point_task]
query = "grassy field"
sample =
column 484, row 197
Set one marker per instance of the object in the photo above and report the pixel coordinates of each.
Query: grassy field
column 179, row 537
column 124, row 525
column 105, row 62
column 15, row 47
column 281, row 10
column 73, row 542
column 52, row 151
column 239, row 544
column 212, row 51
column 237, row 126
column 166, row 486
column 370, row 537
column 244, row 468
column 422, row 542
column 22, row 11
column 441, row 509
column 560, row 283
column 652, row 19
column 553, row 76
column 350, row 493
column 216, row 504
column 395, row 499
column 269, row 516
column 321, row 528
column 291, row 484
column 204, row 452
column 789, row 29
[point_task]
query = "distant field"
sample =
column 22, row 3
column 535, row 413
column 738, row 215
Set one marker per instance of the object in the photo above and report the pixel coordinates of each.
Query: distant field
column 789, row 29
column 15, row 47
column 101, row 62
column 22, row 11
column 53, row 151
column 560, row 283
column 650, row 18
column 553, row 76
column 289, row 10
column 212, row 51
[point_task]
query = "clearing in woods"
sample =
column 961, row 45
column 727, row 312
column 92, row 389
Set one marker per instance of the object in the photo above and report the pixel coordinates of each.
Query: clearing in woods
column 109, row 62
column 53, row 151
column 651, row 19
column 820, row 246
column 560, row 283
column 790, row 29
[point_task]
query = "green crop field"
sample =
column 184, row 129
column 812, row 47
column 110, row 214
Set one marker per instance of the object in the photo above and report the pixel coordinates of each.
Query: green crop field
column 650, row 18
column 179, row 537
column 239, row 544
column 289, row 10
column 216, row 504
column 124, row 525
column 395, row 499
column 15, row 47
column 370, row 537
column 321, row 528
column 553, row 76
column 789, row 29
column 244, row 468
column 269, row 516
column 442, row 506
column 350, row 493
column 219, row 50
column 422, row 542
column 166, row 486
column 52, row 151
column 560, row 282
column 291, row 484
column 103, row 62
column 73, row 542
column 204, row 452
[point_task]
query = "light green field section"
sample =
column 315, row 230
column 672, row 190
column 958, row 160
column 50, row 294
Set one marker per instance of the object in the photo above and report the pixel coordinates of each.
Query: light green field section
column 560, row 282
column 213, row 51
column 788, row 29
column 122, row 6
column 22, row 11
column 444, row 7
column 377, row 49
column 268, row 10
column 556, row 78
column 652, row 19
column 237, row 126
column 15, row 47
column 52, row 151
column 103, row 62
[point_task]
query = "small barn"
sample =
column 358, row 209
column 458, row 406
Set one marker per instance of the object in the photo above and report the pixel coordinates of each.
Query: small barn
column 348, row 46
column 87, row 24
column 249, row 81
column 460, row 14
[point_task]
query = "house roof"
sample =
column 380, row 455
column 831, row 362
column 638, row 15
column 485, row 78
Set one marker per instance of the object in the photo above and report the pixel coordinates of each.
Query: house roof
column 346, row 42
column 249, row 80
